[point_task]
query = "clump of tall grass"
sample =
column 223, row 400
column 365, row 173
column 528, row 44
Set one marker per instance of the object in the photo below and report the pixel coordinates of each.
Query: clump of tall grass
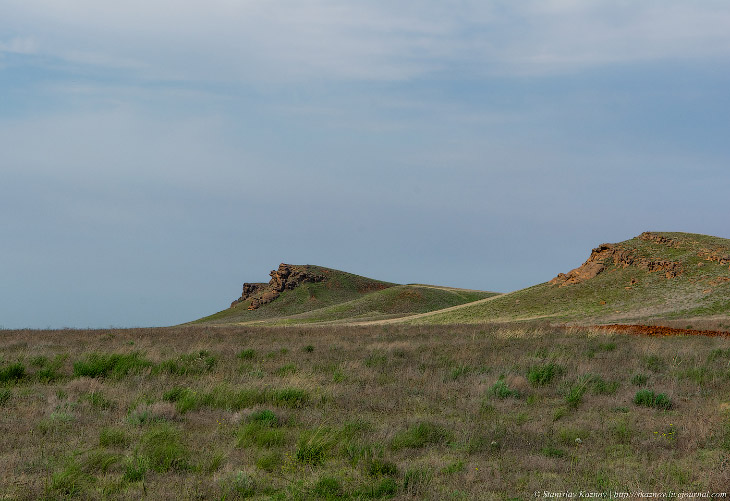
column 541, row 375
column 649, row 399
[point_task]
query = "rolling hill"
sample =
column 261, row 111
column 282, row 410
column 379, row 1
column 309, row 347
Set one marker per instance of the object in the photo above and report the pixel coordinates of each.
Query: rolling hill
column 655, row 276
column 652, row 277
column 312, row 294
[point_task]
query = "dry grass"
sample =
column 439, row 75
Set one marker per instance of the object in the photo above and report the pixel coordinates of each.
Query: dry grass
column 360, row 413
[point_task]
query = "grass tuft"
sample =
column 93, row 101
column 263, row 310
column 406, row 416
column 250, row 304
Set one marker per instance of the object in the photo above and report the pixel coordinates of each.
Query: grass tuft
column 649, row 399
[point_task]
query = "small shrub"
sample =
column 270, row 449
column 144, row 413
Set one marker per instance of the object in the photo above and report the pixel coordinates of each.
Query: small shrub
column 260, row 434
column 602, row 387
column 376, row 360
column 501, row 390
column 100, row 461
column 329, row 488
column 5, row 395
column 458, row 372
column 164, row 450
column 639, row 379
column 380, row 467
column 113, row 437
column 309, row 348
column 419, row 435
column 71, row 481
column 553, row 452
column 97, row 400
column 649, row 399
column 264, row 417
column 248, row 354
column 653, row 363
column 285, row 370
column 455, row 467
column 541, row 375
column 268, row 461
column 416, row 481
column 291, row 397
column 575, row 393
column 188, row 364
column 135, row 468
column 387, row 487
column 12, row 373
column 312, row 447
column 239, row 485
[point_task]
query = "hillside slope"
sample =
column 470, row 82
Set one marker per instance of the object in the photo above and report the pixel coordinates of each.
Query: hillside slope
column 393, row 302
column 650, row 277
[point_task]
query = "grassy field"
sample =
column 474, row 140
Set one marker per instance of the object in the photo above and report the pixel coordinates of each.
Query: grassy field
column 382, row 412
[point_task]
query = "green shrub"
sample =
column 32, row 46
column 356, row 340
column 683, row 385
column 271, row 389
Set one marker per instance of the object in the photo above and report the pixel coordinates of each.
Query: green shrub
column 309, row 348
column 113, row 437
column 164, row 450
column 653, row 363
column 419, row 435
column 246, row 354
column 135, row 468
column 380, row 467
column 416, row 480
column 285, row 370
column 639, row 379
column 458, row 372
column 70, row 482
column 239, row 485
column 541, row 375
column 100, row 461
column 115, row 364
column 97, row 400
column 328, row 488
column 553, row 452
column 188, row 364
column 269, row 461
column 501, row 390
column 260, row 434
column 12, row 373
column 385, row 488
column 290, row 397
column 649, row 399
column 5, row 395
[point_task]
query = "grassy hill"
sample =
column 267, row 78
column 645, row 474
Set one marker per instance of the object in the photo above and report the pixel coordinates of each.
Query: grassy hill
column 655, row 276
column 336, row 287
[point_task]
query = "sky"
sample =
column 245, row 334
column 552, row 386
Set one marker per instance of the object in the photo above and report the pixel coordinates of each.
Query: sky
column 156, row 155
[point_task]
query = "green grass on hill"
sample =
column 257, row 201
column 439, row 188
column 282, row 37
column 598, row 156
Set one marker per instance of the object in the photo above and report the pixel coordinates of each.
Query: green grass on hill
column 401, row 300
column 338, row 287
column 701, row 290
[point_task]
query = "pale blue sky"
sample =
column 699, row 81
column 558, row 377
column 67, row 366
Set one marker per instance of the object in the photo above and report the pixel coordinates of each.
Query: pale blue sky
column 155, row 156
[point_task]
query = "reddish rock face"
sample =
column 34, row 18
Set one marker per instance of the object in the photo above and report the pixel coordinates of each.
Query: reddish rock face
column 286, row 277
column 606, row 254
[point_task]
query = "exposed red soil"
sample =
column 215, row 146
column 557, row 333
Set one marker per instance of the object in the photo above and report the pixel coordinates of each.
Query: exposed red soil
column 659, row 330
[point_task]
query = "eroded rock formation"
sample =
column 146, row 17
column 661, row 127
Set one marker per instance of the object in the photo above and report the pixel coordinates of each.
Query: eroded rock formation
column 610, row 254
column 286, row 277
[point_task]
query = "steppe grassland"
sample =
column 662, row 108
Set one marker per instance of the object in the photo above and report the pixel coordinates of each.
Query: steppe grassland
column 438, row 412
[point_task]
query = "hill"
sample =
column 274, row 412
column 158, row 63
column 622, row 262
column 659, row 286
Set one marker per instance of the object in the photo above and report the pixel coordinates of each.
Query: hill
column 655, row 276
column 295, row 289
column 312, row 294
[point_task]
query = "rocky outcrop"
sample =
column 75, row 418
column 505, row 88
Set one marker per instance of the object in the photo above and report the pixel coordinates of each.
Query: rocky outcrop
column 286, row 277
column 610, row 254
